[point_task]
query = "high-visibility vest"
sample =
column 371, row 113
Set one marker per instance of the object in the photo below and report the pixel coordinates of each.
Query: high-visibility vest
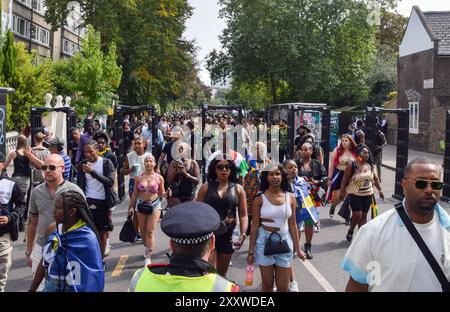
column 144, row 280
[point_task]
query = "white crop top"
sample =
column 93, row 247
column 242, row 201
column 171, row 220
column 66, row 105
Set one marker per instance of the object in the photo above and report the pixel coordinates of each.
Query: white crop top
column 279, row 214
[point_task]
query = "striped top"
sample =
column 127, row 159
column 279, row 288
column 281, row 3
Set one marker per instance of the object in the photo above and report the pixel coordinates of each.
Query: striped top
column 67, row 165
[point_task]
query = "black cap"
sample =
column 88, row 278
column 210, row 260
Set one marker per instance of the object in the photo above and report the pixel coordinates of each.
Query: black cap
column 56, row 142
column 100, row 134
column 191, row 223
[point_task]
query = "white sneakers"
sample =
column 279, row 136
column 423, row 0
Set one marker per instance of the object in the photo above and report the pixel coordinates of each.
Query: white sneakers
column 107, row 249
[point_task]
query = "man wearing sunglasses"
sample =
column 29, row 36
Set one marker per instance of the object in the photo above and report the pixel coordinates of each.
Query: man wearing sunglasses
column 384, row 255
column 42, row 201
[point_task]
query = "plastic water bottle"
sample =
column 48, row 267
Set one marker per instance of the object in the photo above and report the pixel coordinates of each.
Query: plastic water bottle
column 249, row 278
column 235, row 237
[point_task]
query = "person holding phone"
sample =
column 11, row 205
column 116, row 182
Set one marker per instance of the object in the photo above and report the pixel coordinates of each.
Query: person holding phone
column 183, row 177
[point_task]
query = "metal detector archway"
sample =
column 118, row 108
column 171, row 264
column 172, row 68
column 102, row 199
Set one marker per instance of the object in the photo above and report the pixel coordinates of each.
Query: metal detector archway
column 402, row 141
column 208, row 108
column 36, row 121
column 120, row 111
column 3, row 95
column 446, row 191
column 324, row 109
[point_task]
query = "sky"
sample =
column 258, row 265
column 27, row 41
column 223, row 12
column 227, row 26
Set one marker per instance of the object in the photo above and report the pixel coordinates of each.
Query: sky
column 205, row 26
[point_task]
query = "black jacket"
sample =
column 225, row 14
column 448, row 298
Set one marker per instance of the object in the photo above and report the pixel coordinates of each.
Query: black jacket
column 13, row 208
column 107, row 179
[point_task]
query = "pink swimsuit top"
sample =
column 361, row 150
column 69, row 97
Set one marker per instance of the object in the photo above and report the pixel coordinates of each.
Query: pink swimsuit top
column 151, row 188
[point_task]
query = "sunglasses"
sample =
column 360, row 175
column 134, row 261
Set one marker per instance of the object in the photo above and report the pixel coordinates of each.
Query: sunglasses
column 50, row 167
column 221, row 167
column 422, row 184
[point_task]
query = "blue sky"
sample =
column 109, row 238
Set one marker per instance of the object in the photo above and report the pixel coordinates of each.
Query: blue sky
column 205, row 25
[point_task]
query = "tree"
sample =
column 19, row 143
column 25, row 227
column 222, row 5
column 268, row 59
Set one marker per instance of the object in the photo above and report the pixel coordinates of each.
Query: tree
column 31, row 82
column 151, row 49
column 320, row 48
column 90, row 76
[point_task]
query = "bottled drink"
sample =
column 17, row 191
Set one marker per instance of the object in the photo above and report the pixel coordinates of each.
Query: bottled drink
column 249, row 278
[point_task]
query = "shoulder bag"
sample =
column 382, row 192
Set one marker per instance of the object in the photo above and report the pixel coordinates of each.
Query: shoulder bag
column 276, row 247
column 445, row 284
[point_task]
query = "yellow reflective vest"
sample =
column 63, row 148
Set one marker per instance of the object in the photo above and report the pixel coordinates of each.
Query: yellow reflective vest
column 144, row 280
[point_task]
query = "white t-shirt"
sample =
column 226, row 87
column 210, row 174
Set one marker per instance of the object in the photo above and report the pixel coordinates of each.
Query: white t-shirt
column 385, row 256
column 135, row 159
column 94, row 188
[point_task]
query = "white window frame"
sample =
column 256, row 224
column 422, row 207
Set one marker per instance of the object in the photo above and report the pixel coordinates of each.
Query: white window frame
column 36, row 5
column 414, row 117
column 70, row 47
column 40, row 35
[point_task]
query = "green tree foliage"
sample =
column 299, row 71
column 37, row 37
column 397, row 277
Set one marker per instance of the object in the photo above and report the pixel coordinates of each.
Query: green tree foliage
column 97, row 76
column 321, row 49
column 154, row 56
column 31, row 82
column 382, row 78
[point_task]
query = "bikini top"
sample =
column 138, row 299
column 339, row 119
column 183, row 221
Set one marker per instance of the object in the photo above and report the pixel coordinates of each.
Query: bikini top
column 151, row 188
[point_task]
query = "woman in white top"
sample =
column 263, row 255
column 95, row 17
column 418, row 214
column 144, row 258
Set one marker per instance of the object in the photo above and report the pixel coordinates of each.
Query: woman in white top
column 274, row 211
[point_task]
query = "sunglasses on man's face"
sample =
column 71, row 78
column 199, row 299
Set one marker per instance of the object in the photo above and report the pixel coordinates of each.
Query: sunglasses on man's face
column 50, row 167
column 422, row 184
column 221, row 167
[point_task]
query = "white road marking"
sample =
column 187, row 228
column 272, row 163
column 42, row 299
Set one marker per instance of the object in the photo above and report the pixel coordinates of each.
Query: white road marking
column 319, row 277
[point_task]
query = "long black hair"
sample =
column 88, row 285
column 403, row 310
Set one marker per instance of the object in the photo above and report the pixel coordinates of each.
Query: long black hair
column 212, row 176
column 285, row 186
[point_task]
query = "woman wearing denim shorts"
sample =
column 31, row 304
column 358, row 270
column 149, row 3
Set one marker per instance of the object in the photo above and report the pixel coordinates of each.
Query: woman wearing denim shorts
column 274, row 211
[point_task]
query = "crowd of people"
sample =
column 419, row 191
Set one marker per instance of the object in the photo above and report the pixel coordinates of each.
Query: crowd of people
column 68, row 200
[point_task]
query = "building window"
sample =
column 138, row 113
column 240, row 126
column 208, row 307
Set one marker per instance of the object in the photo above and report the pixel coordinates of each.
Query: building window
column 70, row 48
column 22, row 27
column 37, row 5
column 414, row 117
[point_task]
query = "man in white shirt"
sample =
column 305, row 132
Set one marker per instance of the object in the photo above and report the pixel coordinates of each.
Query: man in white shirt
column 96, row 179
column 384, row 255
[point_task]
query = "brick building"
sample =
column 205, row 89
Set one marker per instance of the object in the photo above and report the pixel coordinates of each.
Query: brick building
column 26, row 19
column 424, row 77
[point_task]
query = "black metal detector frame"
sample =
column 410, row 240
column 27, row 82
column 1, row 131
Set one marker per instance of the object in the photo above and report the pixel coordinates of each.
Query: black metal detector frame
column 208, row 108
column 324, row 109
column 4, row 91
column 117, row 137
column 402, row 141
column 36, row 121
column 446, row 191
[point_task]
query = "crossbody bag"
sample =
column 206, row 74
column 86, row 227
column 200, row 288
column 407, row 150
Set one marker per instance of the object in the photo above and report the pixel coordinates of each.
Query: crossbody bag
column 445, row 284
column 277, row 247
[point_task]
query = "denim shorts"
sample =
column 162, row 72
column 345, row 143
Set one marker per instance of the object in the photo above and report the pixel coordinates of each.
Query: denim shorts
column 283, row 260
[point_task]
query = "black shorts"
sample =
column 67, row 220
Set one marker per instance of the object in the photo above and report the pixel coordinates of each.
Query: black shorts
column 360, row 203
column 101, row 215
column 224, row 242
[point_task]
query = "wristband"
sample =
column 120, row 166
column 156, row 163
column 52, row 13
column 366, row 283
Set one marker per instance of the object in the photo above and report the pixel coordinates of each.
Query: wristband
column 27, row 253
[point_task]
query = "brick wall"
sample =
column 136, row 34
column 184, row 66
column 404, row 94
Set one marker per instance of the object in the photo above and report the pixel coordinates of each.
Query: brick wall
column 412, row 71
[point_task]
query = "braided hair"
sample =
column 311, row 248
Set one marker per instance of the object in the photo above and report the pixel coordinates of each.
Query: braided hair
column 74, row 199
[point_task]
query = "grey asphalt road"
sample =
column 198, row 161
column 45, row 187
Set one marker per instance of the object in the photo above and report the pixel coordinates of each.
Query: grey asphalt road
column 329, row 247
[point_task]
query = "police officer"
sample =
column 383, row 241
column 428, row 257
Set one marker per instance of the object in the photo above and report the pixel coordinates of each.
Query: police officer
column 191, row 242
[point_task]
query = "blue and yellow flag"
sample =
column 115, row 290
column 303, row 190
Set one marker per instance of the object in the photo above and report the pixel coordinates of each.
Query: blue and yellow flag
column 304, row 200
column 73, row 258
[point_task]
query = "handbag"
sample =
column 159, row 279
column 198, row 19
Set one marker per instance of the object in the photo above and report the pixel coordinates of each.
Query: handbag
column 128, row 233
column 146, row 207
column 274, row 248
column 279, row 247
column 445, row 284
